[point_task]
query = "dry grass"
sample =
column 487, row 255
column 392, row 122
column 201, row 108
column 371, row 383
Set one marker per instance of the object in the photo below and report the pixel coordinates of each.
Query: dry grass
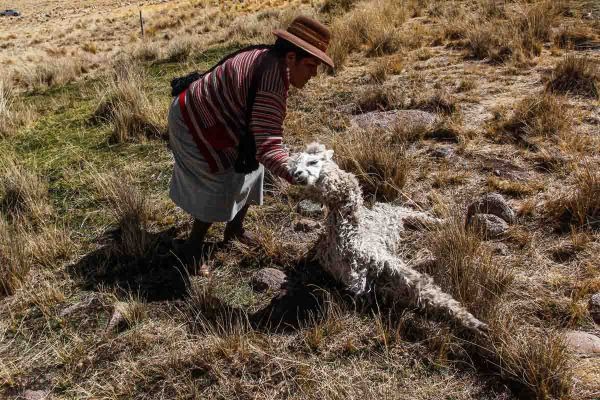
column 466, row 269
column 53, row 72
column 576, row 75
column 539, row 361
column 23, row 195
column 125, row 104
column 438, row 102
column 576, row 37
column 538, row 115
column 13, row 112
column 373, row 28
column 131, row 210
column 146, row 51
column 579, row 206
column 377, row 98
column 382, row 170
column 15, row 261
column 512, row 187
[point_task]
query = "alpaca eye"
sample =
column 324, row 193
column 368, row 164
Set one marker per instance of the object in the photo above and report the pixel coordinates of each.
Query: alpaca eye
column 313, row 162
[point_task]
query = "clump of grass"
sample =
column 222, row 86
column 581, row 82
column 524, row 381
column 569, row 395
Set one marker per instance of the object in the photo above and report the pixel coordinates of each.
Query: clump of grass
column 439, row 102
column 14, row 113
column 23, row 195
column 465, row 268
column 14, row 259
column 381, row 170
column 377, row 98
column 337, row 6
column 51, row 73
column 373, row 28
column 511, row 187
column 538, row 361
column 484, row 42
column 538, row 115
column 576, row 75
column 125, row 104
column 577, row 37
column 146, row 51
column 579, row 206
column 131, row 211
column 180, row 49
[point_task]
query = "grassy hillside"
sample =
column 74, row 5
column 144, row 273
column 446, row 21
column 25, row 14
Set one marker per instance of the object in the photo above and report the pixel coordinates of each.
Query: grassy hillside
column 93, row 305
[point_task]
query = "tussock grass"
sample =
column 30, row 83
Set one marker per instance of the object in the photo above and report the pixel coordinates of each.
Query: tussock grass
column 23, row 195
column 465, row 268
column 131, row 211
column 382, row 169
column 438, row 102
column 538, row 361
column 576, row 37
column 580, row 205
column 54, row 72
column 125, row 104
column 576, row 75
column 538, row 115
column 372, row 27
column 337, row 6
column 512, row 187
column 146, row 51
column 15, row 261
column 377, row 98
column 181, row 49
column 13, row 112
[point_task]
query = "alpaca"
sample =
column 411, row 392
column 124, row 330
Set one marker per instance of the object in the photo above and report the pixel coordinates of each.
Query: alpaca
column 358, row 245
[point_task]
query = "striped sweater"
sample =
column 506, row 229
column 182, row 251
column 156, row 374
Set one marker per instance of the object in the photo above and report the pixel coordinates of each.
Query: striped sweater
column 214, row 109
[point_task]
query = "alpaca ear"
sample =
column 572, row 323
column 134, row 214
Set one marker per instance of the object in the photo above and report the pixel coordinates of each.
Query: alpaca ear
column 328, row 155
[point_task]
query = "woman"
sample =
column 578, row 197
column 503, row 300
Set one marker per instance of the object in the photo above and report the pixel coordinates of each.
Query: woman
column 231, row 119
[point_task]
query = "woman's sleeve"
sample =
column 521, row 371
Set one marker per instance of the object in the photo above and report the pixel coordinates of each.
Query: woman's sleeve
column 266, row 124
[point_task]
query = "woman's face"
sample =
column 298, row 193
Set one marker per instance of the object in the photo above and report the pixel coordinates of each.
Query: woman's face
column 301, row 71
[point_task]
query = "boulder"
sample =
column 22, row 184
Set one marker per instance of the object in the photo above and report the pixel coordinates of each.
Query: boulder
column 117, row 322
column 407, row 119
column 306, row 225
column 36, row 394
column 594, row 307
column 92, row 301
column 583, row 343
column 491, row 203
column 268, row 279
column 489, row 226
column 309, row 208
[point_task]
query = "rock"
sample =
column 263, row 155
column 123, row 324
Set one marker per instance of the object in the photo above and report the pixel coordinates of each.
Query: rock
column 442, row 152
column 594, row 307
column 268, row 279
column 500, row 249
column 583, row 343
column 309, row 208
column 36, row 394
column 407, row 119
column 489, row 226
column 88, row 302
column 117, row 321
column 491, row 203
column 306, row 225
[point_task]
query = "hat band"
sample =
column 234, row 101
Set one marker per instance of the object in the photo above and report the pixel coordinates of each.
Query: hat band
column 308, row 36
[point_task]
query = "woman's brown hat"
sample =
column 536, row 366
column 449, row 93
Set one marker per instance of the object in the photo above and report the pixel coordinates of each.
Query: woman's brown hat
column 310, row 35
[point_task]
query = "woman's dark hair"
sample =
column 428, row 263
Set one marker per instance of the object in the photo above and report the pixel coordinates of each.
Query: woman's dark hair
column 282, row 47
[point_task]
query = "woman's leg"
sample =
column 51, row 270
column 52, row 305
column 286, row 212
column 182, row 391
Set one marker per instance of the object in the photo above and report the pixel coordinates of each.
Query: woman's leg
column 235, row 229
column 192, row 248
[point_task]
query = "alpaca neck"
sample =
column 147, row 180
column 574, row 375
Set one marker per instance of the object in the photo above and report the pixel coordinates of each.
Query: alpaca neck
column 344, row 202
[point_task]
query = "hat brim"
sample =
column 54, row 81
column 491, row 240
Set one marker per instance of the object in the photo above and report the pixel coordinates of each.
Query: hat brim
column 304, row 45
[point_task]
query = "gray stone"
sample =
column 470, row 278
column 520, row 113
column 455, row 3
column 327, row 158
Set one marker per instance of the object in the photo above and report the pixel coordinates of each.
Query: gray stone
column 306, row 225
column 309, row 208
column 268, row 279
column 442, row 152
column 89, row 302
column 583, row 343
column 594, row 307
column 489, row 226
column 407, row 119
column 499, row 249
column 36, row 394
column 491, row 203
column 117, row 321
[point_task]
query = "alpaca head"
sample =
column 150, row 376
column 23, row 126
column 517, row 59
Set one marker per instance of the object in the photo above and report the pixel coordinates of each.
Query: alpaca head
column 326, row 182
column 306, row 167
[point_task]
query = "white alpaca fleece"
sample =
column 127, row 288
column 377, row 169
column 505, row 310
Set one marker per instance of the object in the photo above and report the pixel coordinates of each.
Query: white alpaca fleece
column 358, row 245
